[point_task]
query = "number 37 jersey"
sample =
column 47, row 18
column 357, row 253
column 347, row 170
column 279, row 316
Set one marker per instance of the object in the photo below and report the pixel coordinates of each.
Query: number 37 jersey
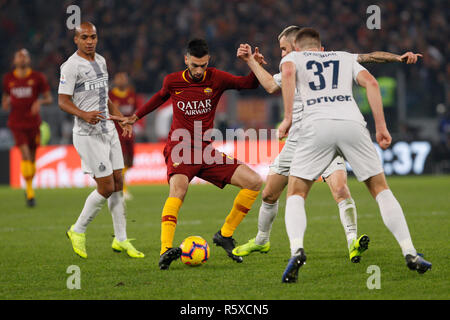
column 324, row 81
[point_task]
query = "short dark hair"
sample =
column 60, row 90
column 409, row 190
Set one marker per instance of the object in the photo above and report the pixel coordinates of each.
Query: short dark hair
column 307, row 38
column 197, row 48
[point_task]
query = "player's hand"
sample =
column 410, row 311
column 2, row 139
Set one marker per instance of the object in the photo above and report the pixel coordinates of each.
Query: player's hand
column 244, row 52
column 383, row 137
column 259, row 57
column 123, row 121
column 410, row 57
column 127, row 130
column 283, row 129
column 35, row 107
column 93, row 117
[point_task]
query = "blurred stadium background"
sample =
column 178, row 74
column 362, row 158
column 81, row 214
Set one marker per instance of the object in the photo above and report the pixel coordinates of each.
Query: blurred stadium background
column 146, row 39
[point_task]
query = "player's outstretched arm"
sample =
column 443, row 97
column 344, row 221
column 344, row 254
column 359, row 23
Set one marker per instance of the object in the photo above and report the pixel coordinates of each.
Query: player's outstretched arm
column 230, row 81
column 66, row 104
column 155, row 102
column 386, row 57
column 288, row 90
column 124, row 121
column 264, row 77
column 366, row 80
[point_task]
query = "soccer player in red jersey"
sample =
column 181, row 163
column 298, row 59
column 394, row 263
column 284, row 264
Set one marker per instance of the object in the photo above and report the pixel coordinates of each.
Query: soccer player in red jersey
column 22, row 89
column 124, row 97
column 195, row 93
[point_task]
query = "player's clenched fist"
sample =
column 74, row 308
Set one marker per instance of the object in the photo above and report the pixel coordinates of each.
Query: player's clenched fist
column 384, row 138
column 244, row 52
column 283, row 129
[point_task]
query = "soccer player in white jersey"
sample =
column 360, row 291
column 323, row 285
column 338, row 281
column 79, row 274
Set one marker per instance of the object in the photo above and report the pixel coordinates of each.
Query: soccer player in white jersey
column 335, row 175
column 83, row 92
column 332, row 124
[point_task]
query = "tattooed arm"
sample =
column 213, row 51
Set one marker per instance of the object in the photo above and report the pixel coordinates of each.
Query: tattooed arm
column 385, row 57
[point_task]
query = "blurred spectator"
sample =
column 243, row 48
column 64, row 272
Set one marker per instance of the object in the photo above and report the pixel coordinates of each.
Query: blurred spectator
column 444, row 127
column 146, row 39
column 408, row 132
column 442, row 150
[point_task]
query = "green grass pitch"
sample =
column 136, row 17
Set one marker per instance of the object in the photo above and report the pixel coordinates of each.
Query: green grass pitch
column 35, row 252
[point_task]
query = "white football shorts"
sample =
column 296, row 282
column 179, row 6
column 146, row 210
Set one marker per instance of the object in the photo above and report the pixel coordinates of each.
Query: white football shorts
column 100, row 154
column 282, row 163
column 338, row 163
column 323, row 140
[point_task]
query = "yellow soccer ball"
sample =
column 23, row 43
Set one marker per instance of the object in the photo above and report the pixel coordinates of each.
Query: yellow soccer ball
column 194, row 251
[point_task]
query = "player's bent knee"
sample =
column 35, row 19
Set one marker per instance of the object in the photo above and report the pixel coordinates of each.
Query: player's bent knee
column 341, row 192
column 106, row 191
column 178, row 186
column 246, row 178
column 254, row 183
column 269, row 196
column 105, row 186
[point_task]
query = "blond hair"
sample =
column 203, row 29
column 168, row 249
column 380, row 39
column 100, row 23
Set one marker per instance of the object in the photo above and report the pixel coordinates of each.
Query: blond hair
column 289, row 32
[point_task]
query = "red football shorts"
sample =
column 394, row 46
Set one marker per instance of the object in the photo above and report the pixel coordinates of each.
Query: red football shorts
column 29, row 136
column 218, row 173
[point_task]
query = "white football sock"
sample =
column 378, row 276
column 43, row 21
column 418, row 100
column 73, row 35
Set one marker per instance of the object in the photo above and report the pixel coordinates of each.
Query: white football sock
column 395, row 221
column 92, row 206
column 267, row 213
column 347, row 212
column 116, row 205
column 295, row 219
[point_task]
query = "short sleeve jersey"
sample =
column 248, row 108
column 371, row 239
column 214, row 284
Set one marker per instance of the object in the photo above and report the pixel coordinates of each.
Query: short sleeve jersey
column 325, row 82
column 23, row 92
column 87, row 82
column 297, row 110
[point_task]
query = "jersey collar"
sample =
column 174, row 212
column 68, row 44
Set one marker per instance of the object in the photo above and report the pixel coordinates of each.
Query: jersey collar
column 27, row 73
column 120, row 93
column 186, row 76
